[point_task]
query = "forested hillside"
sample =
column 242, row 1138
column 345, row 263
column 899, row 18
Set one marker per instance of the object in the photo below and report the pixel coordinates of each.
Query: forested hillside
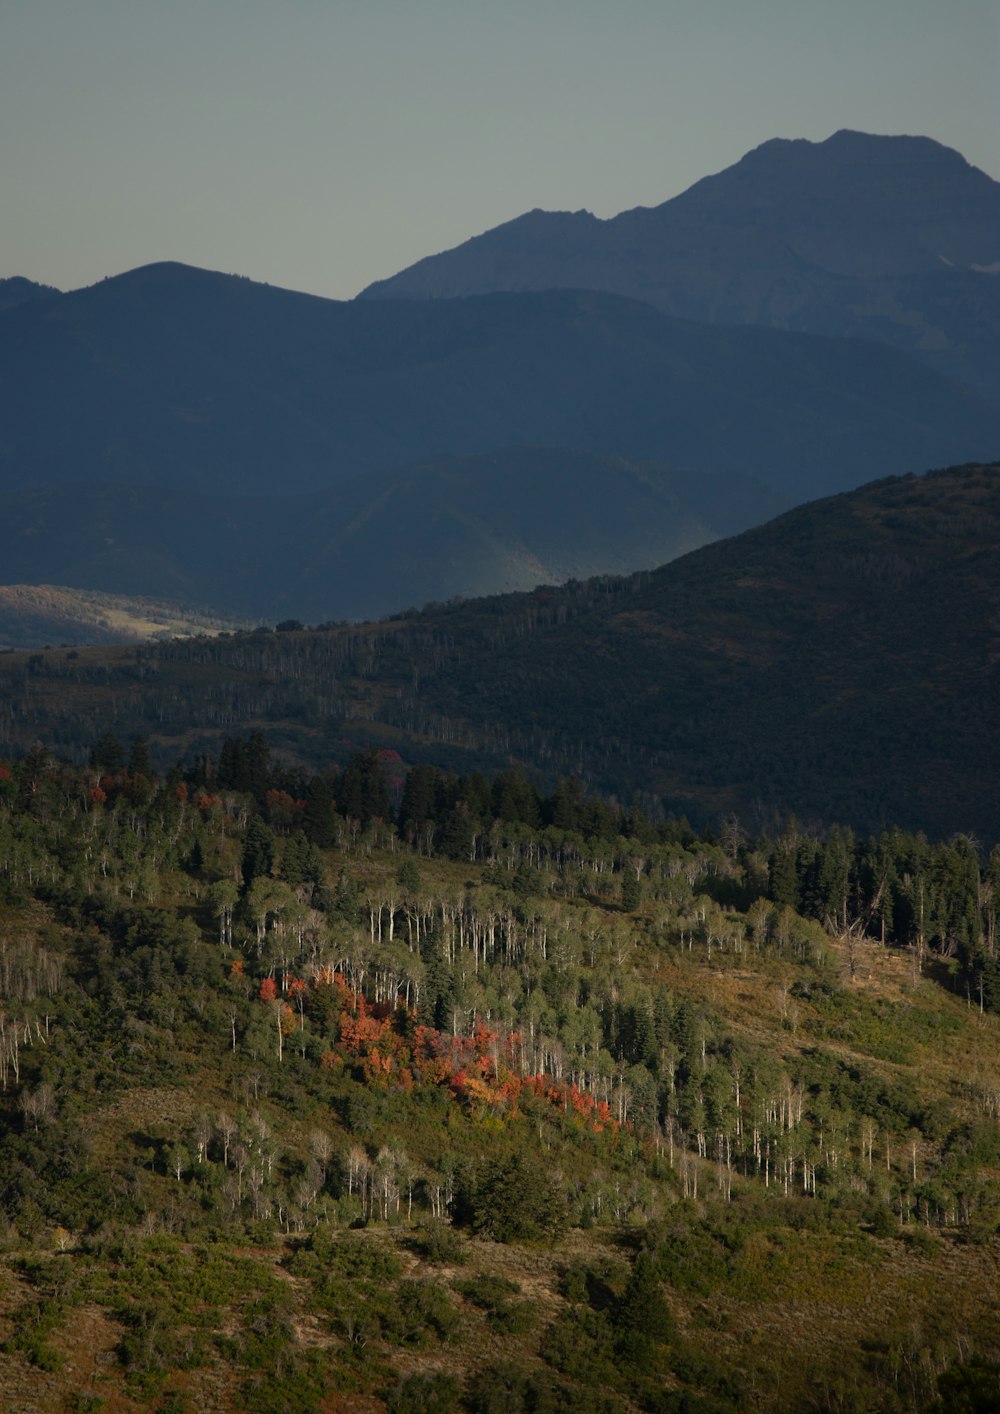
column 15, row 290
column 389, row 1090
column 838, row 663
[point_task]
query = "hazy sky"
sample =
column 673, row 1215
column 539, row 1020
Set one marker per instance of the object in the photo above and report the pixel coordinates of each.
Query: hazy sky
column 321, row 144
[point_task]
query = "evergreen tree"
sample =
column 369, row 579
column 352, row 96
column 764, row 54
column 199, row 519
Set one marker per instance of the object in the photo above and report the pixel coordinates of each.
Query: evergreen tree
column 258, row 766
column 108, row 755
column 515, row 798
column 138, row 761
column 346, row 898
column 419, row 805
column 564, row 810
column 319, row 818
column 375, row 801
column 643, row 1318
column 475, row 791
column 834, row 881
column 511, row 1199
column 301, row 862
column 631, row 892
column 362, row 791
column 258, row 851
column 408, row 876
column 350, row 793
column 783, row 871
column 957, row 886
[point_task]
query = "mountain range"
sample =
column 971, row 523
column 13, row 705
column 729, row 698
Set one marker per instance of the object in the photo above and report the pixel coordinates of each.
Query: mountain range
column 195, row 381
column 252, row 451
column 895, row 239
column 375, row 1030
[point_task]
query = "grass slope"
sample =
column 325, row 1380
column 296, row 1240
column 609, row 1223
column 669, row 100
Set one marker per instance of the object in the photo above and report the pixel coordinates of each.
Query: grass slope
column 36, row 615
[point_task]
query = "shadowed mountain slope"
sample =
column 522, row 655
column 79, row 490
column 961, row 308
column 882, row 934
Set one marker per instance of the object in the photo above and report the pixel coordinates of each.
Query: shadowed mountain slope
column 889, row 238
column 472, row 525
column 197, row 381
column 841, row 662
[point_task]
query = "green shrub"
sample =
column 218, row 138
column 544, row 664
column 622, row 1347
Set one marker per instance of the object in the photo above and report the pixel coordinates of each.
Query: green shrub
column 421, row 1311
column 492, row 1295
column 424, row 1394
column 439, row 1244
column 883, row 1222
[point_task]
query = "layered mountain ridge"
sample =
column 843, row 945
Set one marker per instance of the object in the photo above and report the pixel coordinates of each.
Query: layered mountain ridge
column 193, row 380
column 179, row 432
column 895, row 239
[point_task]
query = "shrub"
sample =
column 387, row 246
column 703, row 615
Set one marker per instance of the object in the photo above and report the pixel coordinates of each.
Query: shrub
column 438, row 1244
column 424, row 1394
column 419, row 1312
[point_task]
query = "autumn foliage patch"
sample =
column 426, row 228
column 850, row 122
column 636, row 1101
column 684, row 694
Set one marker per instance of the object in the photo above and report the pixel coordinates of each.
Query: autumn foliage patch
column 483, row 1069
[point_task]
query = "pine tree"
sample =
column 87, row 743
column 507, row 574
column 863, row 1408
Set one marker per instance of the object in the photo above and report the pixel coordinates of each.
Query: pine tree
column 258, row 851
column 108, row 755
column 138, row 761
column 643, row 1318
column 319, row 818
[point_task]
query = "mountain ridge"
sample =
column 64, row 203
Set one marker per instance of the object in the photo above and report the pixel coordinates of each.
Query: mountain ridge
column 16, row 290
column 860, row 235
column 197, row 380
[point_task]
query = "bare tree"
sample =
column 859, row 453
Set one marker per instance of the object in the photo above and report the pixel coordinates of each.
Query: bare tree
column 39, row 1104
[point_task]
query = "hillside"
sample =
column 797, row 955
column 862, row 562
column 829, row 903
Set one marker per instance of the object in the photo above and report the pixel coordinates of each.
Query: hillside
column 500, row 1102
column 198, row 382
column 886, row 238
column 836, row 663
column 37, row 615
column 461, row 526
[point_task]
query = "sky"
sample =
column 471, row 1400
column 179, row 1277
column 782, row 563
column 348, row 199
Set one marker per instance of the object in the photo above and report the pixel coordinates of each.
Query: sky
column 323, row 144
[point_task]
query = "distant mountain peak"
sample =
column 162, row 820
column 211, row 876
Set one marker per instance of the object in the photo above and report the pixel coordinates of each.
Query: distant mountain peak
column 853, row 140
column 847, row 157
column 861, row 235
column 159, row 272
column 847, row 139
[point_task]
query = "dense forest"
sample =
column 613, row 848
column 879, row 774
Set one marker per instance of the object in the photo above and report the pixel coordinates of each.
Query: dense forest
column 388, row 1088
